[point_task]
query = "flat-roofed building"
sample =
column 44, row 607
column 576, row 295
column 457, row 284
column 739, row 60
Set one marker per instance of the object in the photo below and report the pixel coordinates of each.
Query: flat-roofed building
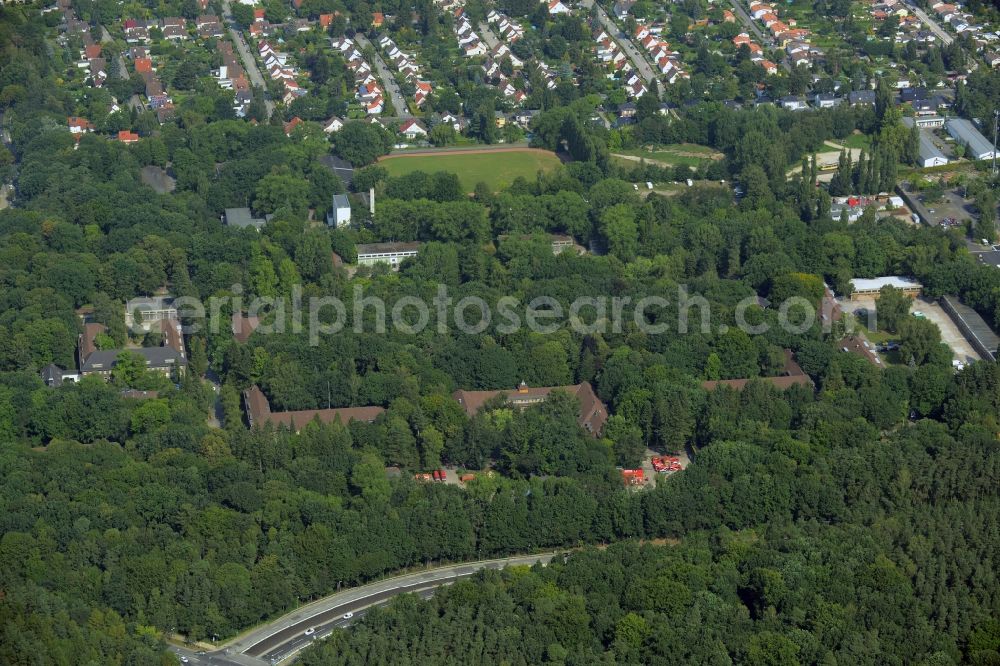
column 872, row 287
column 242, row 218
column 144, row 312
column 973, row 327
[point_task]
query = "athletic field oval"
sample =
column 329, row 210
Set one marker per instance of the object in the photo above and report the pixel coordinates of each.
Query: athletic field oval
column 497, row 167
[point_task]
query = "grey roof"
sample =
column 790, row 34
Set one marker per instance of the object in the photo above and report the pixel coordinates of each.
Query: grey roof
column 52, row 375
column 156, row 358
column 861, row 96
column 341, row 201
column 982, row 336
column 242, row 218
column 928, row 150
column 964, row 131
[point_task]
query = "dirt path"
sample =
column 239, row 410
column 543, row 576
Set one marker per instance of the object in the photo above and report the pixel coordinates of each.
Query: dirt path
column 633, row 158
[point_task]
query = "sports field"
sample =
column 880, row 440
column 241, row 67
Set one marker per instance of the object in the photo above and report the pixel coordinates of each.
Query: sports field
column 497, row 168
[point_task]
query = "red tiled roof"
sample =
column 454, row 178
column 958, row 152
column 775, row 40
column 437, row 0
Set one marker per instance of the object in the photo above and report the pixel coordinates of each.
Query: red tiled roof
column 794, row 375
column 243, row 327
column 259, row 413
column 592, row 415
column 87, row 344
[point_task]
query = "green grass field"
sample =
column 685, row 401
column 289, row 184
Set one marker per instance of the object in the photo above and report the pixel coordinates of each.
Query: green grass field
column 496, row 169
column 857, row 141
column 688, row 154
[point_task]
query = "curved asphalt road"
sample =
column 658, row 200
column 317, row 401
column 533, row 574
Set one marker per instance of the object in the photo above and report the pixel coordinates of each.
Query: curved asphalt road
column 281, row 639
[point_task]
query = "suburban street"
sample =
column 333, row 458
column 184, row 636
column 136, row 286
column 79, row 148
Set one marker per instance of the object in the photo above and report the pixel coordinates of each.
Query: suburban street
column 762, row 39
column 284, row 637
column 638, row 59
column 249, row 62
column 388, row 80
column 945, row 38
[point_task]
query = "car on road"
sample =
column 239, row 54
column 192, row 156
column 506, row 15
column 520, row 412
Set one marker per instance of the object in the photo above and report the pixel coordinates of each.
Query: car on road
column 348, row 616
column 310, row 631
column 184, row 659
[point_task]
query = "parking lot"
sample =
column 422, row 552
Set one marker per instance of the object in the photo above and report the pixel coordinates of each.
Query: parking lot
column 950, row 334
column 933, row 312
column 952, row 208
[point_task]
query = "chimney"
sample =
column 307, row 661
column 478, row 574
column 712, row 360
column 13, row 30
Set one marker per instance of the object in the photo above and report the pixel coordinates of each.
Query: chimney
column 522, row 387
column 371, row 200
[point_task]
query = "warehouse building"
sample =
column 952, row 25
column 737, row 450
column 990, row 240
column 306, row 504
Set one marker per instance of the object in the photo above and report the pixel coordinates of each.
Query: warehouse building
column 977, row 146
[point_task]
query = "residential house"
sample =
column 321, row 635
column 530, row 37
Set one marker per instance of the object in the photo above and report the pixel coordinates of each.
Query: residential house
column 557, row 7
column 794, row 103
column 125, row 136
column 98, row 68
column 174, row 28
column 209, row 26
column 79, row 125
column 292, row 124
column 340, row 211
column 861, row 98
column 136, row 31
column 825, row 100
column 333, row 125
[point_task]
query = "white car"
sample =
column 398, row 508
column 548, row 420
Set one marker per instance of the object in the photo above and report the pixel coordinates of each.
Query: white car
column 310, row 631
column 348, row 616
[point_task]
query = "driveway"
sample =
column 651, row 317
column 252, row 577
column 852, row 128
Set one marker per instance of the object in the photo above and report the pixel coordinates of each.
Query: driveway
column 388, row 80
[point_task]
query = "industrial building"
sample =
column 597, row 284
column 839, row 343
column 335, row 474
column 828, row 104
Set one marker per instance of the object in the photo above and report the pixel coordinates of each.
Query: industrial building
column 872, row 287
column 977, row 146
column 930, row 155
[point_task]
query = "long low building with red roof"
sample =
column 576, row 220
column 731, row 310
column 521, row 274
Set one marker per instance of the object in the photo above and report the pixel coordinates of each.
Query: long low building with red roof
column 592, row 414
column 259, row 413
column 591, row 417
column 793, row 376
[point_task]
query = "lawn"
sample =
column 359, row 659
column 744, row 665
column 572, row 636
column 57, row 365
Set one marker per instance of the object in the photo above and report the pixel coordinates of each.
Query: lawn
column 857, row 141
column 688, row 154
column 497, row 169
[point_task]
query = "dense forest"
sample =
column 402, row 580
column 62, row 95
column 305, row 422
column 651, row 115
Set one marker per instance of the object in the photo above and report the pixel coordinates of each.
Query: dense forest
column 854, row 521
